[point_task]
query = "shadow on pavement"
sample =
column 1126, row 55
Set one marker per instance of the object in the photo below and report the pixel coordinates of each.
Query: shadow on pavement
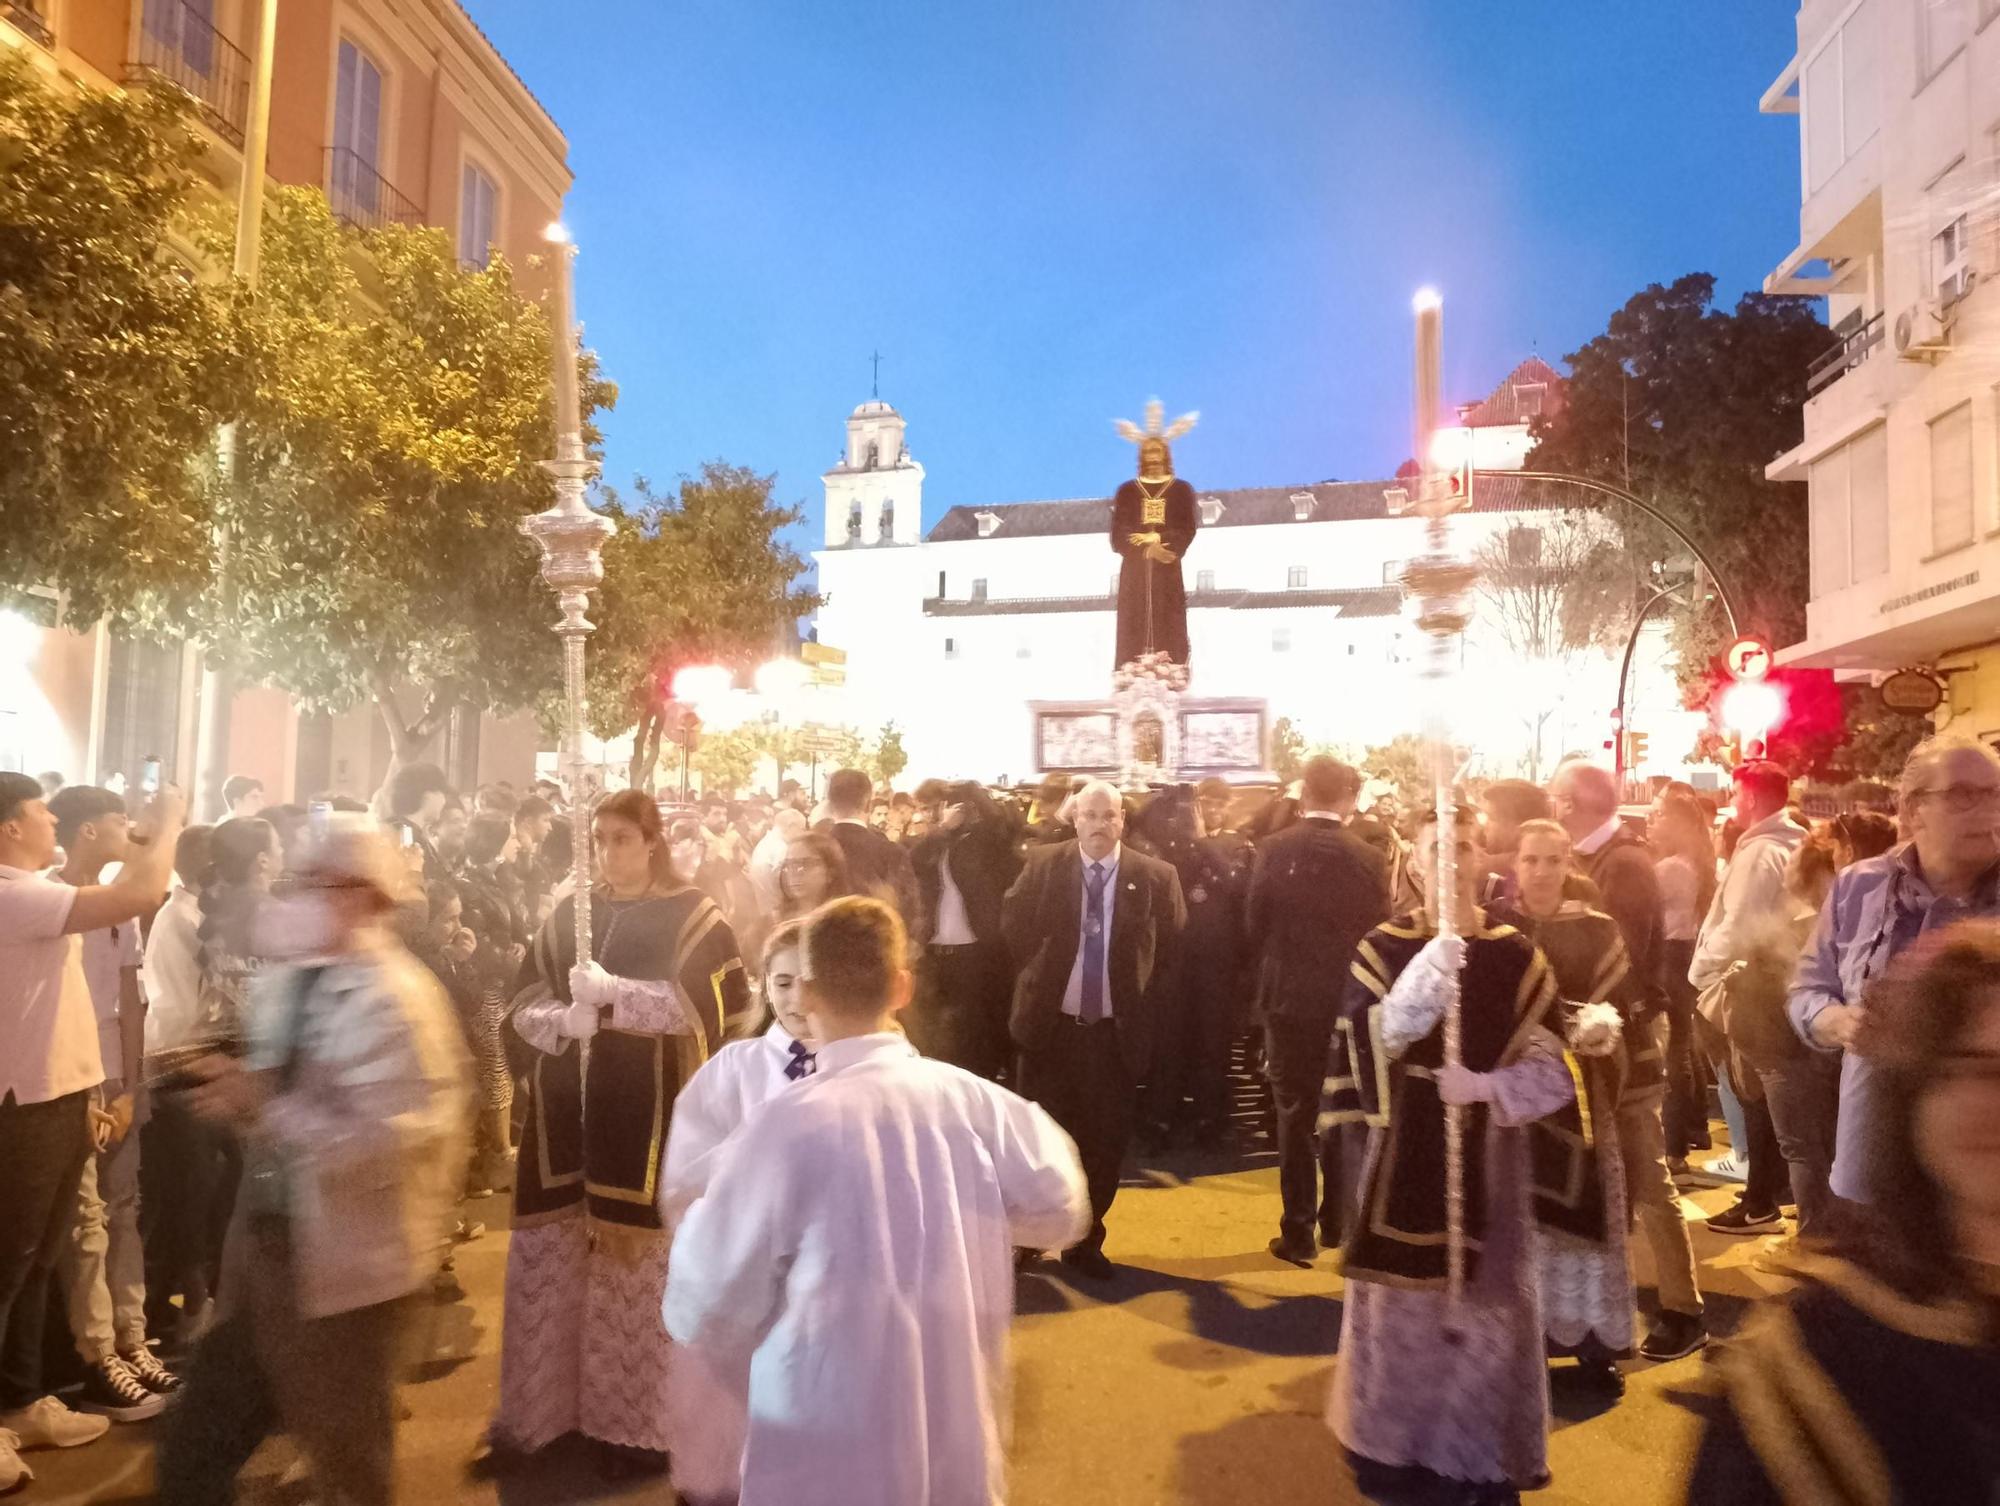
column 1289, row 1326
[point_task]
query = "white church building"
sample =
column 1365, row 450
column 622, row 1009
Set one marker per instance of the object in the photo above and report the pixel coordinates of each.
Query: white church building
column 988, row 640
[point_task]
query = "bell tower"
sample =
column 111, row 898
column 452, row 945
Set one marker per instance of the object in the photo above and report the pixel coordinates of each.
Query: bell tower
column 875, row 493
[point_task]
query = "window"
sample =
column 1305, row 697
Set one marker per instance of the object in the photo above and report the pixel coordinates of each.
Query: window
column 478, row 217
column 1848, row 491
column 951, row 648
column 1528, row 399
column 988, row 522
column 874, row 456
column 1022, row 650
column 979, row 589
column 1392, row 572
column 1524, row 548
column 1295, row 577
column 1281, row 640
column 853, row 521
column 185, row 29
column 357, row 131
column 1211, row 511
column 1951, row 479
column 1951, row 262
column 1947, row 26
column 1204, row 580
column 888, row 528
column 1302, row 506
column 1839, row 97
column 940, row 595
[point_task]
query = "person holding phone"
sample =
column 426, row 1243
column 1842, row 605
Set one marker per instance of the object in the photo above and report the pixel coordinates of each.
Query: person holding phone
column 51, row 1064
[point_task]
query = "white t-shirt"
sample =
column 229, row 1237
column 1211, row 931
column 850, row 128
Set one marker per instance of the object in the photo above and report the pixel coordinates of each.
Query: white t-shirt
column 48, row 1030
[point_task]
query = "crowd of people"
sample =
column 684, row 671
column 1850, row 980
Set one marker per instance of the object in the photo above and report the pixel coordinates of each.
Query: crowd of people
column 855, row 1061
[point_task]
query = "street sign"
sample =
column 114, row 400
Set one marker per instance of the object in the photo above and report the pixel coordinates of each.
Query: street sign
column 829, row 674
column 819, row 653
column 1910, row 692
column 1749, row 658
column 819, row 739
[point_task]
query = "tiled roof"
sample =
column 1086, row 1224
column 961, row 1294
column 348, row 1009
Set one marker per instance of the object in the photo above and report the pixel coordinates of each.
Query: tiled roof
column 1332, row 501
column 1376, row 601
column 459, row 6
column 1502, row 405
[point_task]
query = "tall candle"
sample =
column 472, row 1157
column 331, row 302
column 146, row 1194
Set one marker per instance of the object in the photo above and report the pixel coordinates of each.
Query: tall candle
column 1430, row 357
column 563, row 335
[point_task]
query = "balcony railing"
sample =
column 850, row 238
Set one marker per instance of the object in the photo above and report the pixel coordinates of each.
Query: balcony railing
column 1858, row 342
column 177, row 44
column 27, row 17
column 363, row 197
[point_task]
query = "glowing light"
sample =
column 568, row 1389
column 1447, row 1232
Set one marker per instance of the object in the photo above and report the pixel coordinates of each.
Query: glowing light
column 701, row 682
column 1450, row 448
column 556, row 233
column 1752, row 707
column 19, row 638
column 1426, row 300
column 781, row 677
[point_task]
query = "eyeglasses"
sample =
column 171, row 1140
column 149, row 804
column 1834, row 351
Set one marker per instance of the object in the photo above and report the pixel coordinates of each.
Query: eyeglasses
column 1963, row 799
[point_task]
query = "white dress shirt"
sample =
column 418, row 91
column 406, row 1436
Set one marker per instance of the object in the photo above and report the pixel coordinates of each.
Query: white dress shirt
column 172, row 972
column 954, row 926
column 1073, row 995
column 1589, row 845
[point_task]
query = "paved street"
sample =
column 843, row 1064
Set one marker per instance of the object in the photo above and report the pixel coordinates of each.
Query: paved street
column 1195, row 1379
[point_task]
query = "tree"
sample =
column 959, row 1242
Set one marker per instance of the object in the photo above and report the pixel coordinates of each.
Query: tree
column 886, row 759
column 728, row 760
column 1683, row 405
column 700, row 576
column 1552, row 591
column 116, row 365
column 1403, row 763
column 1288, row 750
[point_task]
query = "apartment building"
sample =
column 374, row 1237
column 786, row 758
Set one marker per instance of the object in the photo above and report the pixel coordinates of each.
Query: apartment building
column 1898, row 103
column 401, row 111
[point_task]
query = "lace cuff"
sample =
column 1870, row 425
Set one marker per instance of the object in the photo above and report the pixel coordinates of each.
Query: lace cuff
column 1412, row 1007
column 653, row 1006
column 540, row 1025
column 1535, row 1084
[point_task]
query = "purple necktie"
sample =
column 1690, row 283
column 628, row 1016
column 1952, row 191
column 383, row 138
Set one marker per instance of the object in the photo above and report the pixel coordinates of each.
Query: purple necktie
column 801, row 1064
column 1091, row 1008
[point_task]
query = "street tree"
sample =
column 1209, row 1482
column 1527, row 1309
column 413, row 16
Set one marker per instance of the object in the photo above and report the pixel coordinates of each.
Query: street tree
column 392, row 441
column 1683, row 404
column 1288, row 750
column 116, row 362
column 699, row 576
column 886, row 757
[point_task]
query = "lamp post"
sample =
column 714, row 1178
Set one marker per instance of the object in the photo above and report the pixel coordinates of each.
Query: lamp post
column 1438, row 581
column 571, row 538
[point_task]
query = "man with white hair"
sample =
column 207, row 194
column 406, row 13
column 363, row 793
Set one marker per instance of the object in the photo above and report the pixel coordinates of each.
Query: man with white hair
column 1949, row 870
column 769, row 856
column 1093, row 928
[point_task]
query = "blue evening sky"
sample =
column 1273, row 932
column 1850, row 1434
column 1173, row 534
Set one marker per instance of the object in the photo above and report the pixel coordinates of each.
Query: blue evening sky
column 1044, row 211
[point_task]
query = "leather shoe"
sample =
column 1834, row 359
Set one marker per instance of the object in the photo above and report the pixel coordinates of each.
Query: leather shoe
column 1296, row 1251
column 1086, row 1261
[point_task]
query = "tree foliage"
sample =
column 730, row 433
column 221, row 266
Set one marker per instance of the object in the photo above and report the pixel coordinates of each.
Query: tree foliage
column 1404, row 764
column 886, row 757
column 699, row 576
column 1684, row 404
column 1288, row 750
column 116, row 363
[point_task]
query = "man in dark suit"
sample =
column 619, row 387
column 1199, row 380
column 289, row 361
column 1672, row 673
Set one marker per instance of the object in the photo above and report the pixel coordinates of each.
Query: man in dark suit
column 1316, row 891
column 1094, row 930
column 965, row 979
column 878, row 867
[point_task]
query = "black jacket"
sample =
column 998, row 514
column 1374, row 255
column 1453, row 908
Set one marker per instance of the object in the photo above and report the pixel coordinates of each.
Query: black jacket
column 1623, row 871
column 984, row 864
column 1043, row 916
column 877, row 866
column 1317, row 889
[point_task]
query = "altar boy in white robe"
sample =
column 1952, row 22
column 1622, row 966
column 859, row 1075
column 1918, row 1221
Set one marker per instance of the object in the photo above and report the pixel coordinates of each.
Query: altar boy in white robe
column 856, row 1239
column 706, row 1399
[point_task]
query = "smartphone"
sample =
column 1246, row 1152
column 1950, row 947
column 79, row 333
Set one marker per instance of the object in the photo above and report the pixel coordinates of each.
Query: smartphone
column 408, row 834
column 149, row 775
column 319, row 817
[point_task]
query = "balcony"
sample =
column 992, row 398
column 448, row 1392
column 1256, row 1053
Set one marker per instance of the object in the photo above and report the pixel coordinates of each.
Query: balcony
column 1859, row 337
column 177, row 45
column 362, row 197
column 29, row 20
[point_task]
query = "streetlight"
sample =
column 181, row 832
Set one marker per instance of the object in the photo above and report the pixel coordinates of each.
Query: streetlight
column 702, row 682
column 571, row 538
column 778, row 681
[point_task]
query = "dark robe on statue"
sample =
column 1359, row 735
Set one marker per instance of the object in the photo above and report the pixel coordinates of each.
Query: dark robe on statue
column 1152, row 603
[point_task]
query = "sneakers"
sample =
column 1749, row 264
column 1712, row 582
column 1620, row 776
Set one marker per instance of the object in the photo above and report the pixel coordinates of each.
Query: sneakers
column 1743, row 1219
column 50, row 1424
column 12, row 1471
column 154, row 1376
column 1779, row 1257
column 1728, row 1168
column 1674, row 1337
column 110, row 1389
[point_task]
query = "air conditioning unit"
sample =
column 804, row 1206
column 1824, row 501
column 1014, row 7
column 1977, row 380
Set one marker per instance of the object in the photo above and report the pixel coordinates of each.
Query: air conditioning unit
column 1957, row 286
column 1923, row 330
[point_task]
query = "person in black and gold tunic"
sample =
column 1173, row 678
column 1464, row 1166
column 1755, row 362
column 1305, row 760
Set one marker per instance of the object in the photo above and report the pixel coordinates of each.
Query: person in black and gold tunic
column 609, row 1045
column 1483, row 1415
column 1152, row 523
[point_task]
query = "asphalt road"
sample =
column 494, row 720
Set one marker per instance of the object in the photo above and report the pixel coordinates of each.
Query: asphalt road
column 1196, row 1378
